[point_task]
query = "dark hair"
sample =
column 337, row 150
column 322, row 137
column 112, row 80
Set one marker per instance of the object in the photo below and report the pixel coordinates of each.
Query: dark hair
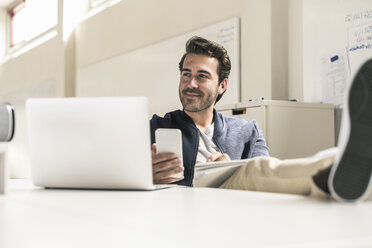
column 199, row 45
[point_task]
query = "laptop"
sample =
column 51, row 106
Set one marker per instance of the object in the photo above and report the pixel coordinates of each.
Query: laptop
column 98, row 143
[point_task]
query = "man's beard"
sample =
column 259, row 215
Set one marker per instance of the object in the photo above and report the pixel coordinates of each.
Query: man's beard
column 191, row 106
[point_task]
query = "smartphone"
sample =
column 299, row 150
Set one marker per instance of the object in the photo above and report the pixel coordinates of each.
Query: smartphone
column 169, row 140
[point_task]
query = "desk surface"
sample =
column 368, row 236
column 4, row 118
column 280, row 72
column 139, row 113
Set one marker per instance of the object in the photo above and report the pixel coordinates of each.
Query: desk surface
column 177, row 217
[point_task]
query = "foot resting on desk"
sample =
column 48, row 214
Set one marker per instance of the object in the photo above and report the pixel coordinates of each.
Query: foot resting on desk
column 350, row 177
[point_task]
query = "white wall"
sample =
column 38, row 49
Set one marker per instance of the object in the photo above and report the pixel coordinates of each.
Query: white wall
column 131, row 25
column 33, row 74
column 38, row 72
column 32, row 67
column 50, row 68
column 295, row 55
column 2, row 33
column 279, row 49
column 18, row 152
column 152, row 71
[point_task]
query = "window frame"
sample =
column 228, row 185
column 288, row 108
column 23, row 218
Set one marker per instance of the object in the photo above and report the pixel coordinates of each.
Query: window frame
column 12, row 11
column 25, row 45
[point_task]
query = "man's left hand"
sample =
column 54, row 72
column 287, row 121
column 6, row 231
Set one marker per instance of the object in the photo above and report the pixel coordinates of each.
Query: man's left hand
column 218, row 157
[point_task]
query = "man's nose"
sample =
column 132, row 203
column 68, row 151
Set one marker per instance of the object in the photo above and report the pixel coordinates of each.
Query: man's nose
column 193, row 83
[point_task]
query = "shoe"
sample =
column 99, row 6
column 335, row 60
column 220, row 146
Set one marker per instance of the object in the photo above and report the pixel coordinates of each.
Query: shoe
column 350, row 177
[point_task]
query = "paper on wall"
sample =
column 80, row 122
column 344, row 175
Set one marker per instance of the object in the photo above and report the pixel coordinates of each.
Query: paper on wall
column 335, row 76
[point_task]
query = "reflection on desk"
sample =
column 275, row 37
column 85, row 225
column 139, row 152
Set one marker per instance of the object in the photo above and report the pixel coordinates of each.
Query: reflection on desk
column 177, row 217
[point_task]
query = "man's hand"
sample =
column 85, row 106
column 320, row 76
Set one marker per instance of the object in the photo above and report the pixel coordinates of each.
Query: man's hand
column 164, row 166
column 218, row 157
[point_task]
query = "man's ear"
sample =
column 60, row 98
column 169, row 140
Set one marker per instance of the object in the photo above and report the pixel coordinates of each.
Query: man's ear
column 222, row 87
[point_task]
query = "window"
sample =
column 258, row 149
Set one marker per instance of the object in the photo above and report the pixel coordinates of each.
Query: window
column 31, row 18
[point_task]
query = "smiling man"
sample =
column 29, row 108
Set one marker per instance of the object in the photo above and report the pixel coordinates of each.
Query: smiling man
column 206, row 134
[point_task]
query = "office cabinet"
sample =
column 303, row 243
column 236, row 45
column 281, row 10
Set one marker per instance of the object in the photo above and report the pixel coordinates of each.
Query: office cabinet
column 291, row 129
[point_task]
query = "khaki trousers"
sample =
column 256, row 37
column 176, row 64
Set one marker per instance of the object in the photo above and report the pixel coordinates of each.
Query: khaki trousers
column 270, row 174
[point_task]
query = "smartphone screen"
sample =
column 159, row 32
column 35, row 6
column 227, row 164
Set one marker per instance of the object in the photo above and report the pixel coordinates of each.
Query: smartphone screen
column 169, row 140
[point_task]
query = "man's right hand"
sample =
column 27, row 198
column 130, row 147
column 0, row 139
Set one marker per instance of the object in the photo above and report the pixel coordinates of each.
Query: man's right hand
column 164, row 166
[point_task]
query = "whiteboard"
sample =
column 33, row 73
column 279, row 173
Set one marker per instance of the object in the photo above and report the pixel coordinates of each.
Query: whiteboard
column 152, row 71
column 337, row 41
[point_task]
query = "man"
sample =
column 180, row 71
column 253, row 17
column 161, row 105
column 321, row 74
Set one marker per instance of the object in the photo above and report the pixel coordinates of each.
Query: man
column 206, row 134
column 345, row 174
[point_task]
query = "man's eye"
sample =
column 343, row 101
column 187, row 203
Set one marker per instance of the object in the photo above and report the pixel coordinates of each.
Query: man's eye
column 203, row 76
column 186, row 74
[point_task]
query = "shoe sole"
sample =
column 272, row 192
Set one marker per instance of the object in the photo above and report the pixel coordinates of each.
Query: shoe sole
column 350, row 178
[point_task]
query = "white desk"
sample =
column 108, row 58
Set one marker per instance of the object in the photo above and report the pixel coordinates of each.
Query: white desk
column 178, row 217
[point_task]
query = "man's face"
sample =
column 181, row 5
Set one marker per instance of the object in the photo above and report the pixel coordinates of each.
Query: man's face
column 199, row 86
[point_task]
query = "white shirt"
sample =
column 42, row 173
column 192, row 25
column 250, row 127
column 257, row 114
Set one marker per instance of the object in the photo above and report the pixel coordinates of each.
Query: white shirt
column 206, row 145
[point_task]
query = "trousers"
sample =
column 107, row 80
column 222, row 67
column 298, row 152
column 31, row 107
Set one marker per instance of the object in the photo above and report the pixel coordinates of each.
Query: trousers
column 290, row 176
